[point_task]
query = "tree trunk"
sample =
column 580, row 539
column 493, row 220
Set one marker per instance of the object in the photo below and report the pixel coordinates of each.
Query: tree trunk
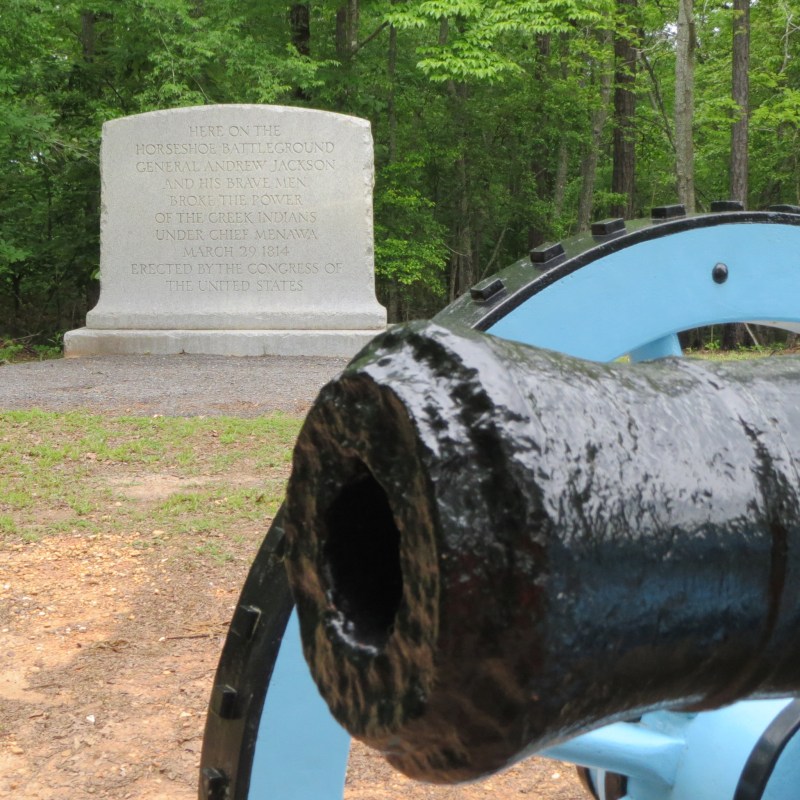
column 624, row 169
column 684, row 104
column 347, row 30
column 562, row 164
column 462, row 262
column 586, row 197
column 733, row 336
column 300, row 28
column 562, row 168
column 599, row 118
column 391, row 109
column 87, row 35
column 541, row 165
column 16, row 296
column 352, row 25
column 394, row 293
column 300, row 25
column 741, row 98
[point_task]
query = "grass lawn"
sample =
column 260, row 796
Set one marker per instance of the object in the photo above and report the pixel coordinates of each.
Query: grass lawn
column 210, row 480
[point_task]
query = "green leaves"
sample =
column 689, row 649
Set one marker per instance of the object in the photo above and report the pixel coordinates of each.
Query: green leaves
column 409, row 242
column 463, row 61
column 491, row 119
column 473, row 36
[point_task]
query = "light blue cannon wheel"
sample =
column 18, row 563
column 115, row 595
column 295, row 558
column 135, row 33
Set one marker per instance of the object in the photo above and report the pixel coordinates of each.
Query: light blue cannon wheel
column 269, row 735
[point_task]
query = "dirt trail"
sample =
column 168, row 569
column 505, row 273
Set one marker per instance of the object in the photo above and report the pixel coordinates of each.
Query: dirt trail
column 106, row 664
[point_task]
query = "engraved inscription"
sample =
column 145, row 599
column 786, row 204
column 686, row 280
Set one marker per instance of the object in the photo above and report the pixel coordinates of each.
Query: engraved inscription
column 236, row 199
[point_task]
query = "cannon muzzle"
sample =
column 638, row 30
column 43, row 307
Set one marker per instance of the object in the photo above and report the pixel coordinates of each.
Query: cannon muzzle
column 493, row 547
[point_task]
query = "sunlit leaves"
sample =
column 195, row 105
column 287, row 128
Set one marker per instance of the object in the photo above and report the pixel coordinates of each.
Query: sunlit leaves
column 470, row 39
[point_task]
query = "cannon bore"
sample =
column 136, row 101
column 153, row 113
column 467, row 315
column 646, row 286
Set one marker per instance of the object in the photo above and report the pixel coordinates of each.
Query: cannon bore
column 493, row 547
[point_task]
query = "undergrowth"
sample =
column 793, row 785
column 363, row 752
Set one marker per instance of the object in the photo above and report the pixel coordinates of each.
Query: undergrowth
column 13, row 351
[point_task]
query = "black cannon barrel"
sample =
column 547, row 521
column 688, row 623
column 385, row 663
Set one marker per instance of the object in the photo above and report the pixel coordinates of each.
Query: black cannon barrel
column 494, row 547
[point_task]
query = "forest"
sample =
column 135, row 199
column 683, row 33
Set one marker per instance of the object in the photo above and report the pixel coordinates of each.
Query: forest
column 498, row 124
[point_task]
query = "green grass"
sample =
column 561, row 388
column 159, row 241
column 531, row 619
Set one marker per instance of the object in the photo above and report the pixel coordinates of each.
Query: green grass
column 7, row 525
column 742, row 354
column 215, row 552
column 205, row 482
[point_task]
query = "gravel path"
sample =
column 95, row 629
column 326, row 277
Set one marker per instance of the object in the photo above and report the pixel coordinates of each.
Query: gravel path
column 179, row 385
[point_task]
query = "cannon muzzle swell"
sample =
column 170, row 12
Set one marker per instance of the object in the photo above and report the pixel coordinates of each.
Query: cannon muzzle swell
column 494, row 547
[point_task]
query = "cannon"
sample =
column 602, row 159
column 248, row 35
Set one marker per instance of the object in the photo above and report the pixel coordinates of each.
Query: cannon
column 494, row 548
column 622, row 289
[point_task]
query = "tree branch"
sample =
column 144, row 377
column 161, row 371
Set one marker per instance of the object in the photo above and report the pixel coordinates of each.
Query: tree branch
column 369, row 38
column 657, row 100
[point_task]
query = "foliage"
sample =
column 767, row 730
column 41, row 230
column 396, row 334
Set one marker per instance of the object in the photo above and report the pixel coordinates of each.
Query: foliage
column 483, row 113
column 16, row 350
column 475, row 50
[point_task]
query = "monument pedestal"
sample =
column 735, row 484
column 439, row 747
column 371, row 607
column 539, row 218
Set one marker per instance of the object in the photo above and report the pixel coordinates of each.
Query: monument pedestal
column 330, row 343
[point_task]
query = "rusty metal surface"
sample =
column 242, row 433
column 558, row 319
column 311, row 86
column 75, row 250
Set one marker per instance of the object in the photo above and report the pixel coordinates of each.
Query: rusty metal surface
column 494, row 547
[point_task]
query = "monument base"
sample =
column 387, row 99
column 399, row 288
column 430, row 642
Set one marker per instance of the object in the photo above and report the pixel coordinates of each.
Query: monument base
column 332, row 343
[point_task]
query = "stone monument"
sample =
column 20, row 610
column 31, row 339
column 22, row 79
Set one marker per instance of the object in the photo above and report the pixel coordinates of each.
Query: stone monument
column 237, row 230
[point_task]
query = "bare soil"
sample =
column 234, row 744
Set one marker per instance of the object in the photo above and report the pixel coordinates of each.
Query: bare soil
column 109, row 641
column 107, row 657
column 106, row 664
